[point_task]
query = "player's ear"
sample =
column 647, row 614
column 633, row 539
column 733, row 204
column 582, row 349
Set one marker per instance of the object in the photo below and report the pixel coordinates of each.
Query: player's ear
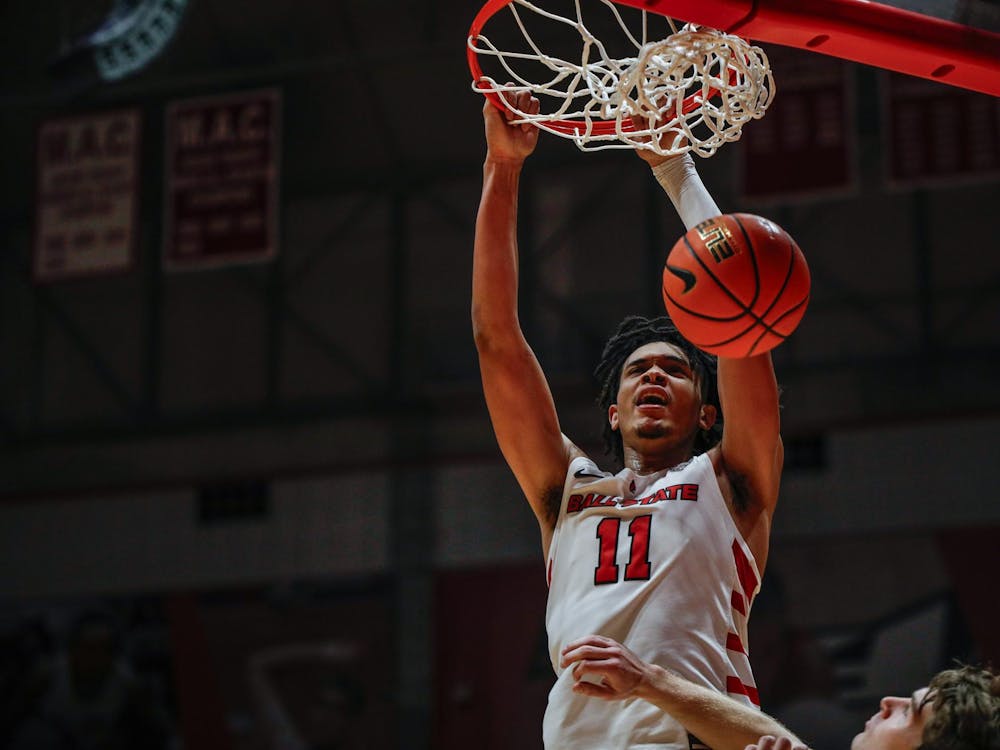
column 707, row 416
column 613, row 417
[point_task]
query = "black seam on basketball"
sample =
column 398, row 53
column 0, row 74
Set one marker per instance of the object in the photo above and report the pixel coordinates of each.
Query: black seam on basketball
column 696, row 314
column 756, row 269
column 718, row 283
column 731, row 339
column 757, row 341
column 753, row 259
column 755, row 320
column 704, row 316
column 788, row 312
column 792, row 247
column 785, row 314
column 788, row 276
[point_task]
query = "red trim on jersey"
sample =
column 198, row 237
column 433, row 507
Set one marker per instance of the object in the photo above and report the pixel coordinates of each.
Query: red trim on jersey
column 739, row 603
column 748, row 579
column 735, row 685
column 733, row 643
column 548, row 575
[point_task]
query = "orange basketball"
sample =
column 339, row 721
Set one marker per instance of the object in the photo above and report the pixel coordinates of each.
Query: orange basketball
column 736, row 285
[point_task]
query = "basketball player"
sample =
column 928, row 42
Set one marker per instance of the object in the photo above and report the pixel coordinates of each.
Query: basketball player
column 958, row 710
column 667, row 554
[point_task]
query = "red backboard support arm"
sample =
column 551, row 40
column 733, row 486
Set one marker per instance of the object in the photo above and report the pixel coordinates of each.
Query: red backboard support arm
column 856, row 30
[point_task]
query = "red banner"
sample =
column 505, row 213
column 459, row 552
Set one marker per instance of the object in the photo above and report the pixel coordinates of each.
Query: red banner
column 938, row 134
column 804, row 145
column 87, row 195
column 222, row 167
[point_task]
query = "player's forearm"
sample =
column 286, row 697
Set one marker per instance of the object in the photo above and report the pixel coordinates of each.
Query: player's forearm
column 748, row 391
column 751, row 439
column 680, row 181
column 494, row 265
column 715, row 719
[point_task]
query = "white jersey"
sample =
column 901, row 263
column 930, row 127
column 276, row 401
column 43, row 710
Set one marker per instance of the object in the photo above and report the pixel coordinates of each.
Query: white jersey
column 656, row 563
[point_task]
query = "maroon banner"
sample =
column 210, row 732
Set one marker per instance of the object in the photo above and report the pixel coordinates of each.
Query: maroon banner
column 803, row 147
column 938, row 134
column 290, row 669
column 492, row 669
column 87, row 195
column 222, row 169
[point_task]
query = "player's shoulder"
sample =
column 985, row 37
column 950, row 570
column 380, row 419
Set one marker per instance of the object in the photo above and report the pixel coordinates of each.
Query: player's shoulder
column 574, row 455
column 745, row 494
column 715, row 456
column 583, row 469
column 551, row 497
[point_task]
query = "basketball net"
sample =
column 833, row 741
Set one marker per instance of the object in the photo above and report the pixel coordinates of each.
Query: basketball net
column 692, row 91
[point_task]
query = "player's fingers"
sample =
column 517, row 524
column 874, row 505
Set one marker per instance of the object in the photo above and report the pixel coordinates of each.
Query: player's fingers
column 491, row 111
column 488, row 104
column 598, row 670
column 639, row 123
column 510, row 100
column 593, row 691
column 582, row 652
column 522, row 103
column 585, row 667
column 587, row 640
column 531, row 106
column 583, row 648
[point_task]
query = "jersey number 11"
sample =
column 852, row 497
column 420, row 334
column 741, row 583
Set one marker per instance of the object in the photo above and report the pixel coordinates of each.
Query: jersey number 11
column 607, row 553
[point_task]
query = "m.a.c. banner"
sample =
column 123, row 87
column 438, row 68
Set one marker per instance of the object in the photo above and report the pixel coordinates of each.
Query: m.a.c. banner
column 222, row 178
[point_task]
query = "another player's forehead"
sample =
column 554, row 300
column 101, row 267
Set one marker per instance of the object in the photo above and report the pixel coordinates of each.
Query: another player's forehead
column 656, row 351
column 923, row 702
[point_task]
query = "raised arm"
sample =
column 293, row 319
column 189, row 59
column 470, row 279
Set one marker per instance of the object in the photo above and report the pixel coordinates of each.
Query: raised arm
column 750, row 456
column 603, row 668
column 517, row 395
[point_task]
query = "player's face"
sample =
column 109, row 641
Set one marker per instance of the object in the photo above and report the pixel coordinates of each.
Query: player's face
column 898, row 725
column 658, row 397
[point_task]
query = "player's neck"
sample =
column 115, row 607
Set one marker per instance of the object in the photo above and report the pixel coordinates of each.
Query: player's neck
column 656, row 461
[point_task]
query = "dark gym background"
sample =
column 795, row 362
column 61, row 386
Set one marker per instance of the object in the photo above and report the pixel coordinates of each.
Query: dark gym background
column 263, row 500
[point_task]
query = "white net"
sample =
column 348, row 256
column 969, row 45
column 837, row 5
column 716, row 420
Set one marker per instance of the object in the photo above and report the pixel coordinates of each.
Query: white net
column 691, row 91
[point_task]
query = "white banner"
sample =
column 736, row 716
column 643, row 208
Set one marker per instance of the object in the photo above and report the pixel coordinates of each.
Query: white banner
column 87, row 195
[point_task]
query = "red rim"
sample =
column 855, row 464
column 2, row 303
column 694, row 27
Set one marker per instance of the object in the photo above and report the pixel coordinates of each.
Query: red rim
column 567, row 127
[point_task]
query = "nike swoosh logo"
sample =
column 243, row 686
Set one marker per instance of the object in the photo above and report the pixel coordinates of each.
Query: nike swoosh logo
column 581, row 473
column 684, row 275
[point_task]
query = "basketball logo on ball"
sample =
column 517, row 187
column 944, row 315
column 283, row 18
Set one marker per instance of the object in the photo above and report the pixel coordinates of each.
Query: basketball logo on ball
column 715, row 236
column 736, row 285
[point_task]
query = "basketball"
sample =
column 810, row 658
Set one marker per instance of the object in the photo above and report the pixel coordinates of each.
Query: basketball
column 736, row 285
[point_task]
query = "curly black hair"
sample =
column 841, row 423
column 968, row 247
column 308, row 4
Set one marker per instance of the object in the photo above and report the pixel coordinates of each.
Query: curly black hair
column 633, row 332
